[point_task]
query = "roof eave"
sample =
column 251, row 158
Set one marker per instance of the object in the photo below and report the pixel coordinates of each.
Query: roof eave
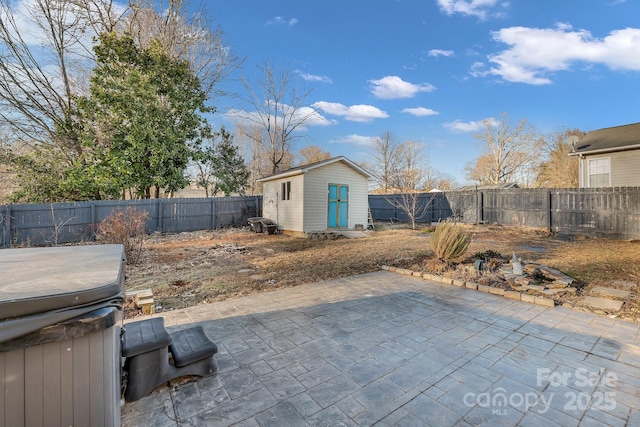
column 607, row 150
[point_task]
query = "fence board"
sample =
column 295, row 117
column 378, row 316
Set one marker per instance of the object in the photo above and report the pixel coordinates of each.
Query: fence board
column 597, row 212
column 59, row 223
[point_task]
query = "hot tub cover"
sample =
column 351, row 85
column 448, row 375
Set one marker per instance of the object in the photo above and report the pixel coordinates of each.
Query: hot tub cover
column 42, row 286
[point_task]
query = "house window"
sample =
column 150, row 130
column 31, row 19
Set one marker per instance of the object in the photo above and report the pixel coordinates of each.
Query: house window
column 600, row 172
column 286, row 190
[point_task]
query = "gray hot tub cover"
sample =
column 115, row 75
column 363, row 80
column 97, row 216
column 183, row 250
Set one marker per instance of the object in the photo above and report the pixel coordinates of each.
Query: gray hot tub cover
column 40, row 287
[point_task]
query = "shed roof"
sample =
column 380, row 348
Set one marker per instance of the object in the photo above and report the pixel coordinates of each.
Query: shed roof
column 500, row 186
column 618, row 138
column 308, row 167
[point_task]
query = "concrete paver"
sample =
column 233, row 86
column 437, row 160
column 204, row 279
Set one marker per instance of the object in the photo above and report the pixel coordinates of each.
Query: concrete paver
column 393, row 350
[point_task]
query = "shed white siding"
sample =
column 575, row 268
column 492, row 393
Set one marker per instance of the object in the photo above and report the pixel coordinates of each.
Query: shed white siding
column 288, row 213
column 316, row 196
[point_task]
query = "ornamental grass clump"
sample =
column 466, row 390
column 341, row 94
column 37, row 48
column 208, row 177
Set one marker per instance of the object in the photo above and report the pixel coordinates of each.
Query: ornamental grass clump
column 449, row 240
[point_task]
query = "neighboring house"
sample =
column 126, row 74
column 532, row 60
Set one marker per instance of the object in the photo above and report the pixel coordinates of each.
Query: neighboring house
column 331, row 194
column 609, row 157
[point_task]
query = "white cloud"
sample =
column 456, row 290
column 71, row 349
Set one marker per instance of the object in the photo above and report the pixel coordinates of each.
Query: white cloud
column 393, row 87
column 279, row 20
column 458, row 126
column 420, row 111
column 313, row 77
column 477, row 8
column 535, row 53
column 440, row 52
column 310, row 115
column 353, row 139
column 354, row 113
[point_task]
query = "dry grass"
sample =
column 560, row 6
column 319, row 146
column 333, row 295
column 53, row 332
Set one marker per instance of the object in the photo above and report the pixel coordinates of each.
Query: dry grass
column 193, row 268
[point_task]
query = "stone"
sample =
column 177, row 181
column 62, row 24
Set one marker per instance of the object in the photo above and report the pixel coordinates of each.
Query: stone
column 610, row 292
column 602, row 303
column 496, row 291
column 566, row 280
column 522, row 281
column 557, row 284
column 512, row 295
column 528, row 298
column 417, row 274
column 506, row 269
column 471, row 285
column 551, row 273
column 457, row 282
column 536, row 287
column 531, row 269
column 484, row 288
column 548, row 302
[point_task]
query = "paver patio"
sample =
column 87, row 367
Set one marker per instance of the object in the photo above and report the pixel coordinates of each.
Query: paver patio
column 391, row 350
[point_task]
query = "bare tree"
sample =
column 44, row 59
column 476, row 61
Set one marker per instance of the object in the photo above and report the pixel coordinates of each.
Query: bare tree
column 560, row 170
column 510, row 153
column 39, row 67
column 438, row 180
column 409, row 180
column 385, row 160
column 185, row 34
column 279, row 114
column 313, row 154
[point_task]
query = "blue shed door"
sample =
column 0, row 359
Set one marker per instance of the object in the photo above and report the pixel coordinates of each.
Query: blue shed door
column 338, row 205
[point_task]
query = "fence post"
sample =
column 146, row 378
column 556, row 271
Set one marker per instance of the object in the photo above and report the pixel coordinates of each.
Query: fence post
column 549, row 211
column 7, row 227
column 213, row 213
column 160, row 224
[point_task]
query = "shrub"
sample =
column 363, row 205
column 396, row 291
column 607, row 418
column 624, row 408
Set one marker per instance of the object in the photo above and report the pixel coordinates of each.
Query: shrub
column 124, row 227
column 449, row 240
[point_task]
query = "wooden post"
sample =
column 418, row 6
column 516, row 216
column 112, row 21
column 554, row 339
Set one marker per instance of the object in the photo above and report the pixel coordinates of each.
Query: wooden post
column 213, row 213
column 7, row 227
column 549, row 212
column 160, row 224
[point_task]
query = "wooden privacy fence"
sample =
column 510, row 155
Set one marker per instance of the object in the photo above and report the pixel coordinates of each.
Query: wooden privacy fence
column 596, row 212
column 57, row 223
column 612, row 213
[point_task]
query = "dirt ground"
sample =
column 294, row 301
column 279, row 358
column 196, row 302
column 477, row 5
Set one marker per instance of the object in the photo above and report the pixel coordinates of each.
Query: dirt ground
column 187, row 269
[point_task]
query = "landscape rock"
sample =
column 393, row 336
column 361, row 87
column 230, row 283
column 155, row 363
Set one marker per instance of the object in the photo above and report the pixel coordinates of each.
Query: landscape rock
column 602, row 303
column 610, row 292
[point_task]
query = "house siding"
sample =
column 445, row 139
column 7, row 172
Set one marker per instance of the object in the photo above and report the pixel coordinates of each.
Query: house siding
column 316, row 198
column 625, row 168
column 288, row 213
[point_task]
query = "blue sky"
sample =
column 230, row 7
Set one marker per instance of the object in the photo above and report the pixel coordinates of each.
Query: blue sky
column 433, row 70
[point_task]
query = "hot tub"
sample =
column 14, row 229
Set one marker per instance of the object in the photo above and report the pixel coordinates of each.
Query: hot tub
column 60, row 310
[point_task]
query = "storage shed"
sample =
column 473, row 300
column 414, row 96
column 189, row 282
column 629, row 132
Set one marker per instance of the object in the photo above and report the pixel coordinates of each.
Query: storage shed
column 327, row 195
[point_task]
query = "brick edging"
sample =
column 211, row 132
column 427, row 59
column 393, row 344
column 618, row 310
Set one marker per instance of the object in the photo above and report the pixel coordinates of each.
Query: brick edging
column 515, row 295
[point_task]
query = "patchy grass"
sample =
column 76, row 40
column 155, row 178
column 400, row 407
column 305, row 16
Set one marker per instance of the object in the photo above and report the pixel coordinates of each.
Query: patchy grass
column 192, row 268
